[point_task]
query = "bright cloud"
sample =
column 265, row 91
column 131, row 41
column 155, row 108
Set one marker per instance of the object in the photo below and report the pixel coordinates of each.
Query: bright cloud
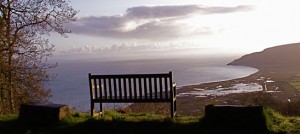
column 227, row 26
column 159, row 23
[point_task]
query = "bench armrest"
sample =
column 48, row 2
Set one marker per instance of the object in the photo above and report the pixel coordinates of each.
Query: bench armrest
column 174, row 89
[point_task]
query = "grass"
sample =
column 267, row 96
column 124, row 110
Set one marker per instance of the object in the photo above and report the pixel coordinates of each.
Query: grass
column 114, row 122
column 145, row 123
column 295, row 84
column 281, row 124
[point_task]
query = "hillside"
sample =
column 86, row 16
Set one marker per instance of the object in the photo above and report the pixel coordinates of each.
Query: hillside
column 283, row 55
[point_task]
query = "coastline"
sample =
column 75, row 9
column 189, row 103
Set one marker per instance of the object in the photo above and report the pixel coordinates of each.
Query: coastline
column 191, row 105
column 213, row 84
column 280, row 94
column 221, row 81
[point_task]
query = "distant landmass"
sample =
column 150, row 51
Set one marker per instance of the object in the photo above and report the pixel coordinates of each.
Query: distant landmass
column 283, row 55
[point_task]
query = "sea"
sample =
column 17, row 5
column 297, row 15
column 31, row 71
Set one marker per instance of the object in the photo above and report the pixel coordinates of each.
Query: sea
column 70, row 85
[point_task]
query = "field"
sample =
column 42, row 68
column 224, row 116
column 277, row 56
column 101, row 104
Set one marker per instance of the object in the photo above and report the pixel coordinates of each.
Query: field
column 295, row 84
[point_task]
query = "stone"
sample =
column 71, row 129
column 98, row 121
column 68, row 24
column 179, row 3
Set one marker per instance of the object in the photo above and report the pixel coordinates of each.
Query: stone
column 235, row 117
column 43, row 114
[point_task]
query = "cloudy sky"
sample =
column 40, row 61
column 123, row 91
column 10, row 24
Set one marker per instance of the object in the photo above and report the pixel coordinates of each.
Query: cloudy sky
column 139, row 27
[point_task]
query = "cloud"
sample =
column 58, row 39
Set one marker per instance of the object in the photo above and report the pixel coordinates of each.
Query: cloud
column 117, row 48
column 125, row 51
column 149, row 22
column 147, row 12
column 129, row 47
column 214, row 10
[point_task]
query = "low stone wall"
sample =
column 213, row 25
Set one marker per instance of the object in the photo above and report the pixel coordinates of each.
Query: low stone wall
column 43, row 114
column 235, row 117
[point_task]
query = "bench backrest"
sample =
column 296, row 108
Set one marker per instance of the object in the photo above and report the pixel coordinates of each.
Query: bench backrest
column 132, row 87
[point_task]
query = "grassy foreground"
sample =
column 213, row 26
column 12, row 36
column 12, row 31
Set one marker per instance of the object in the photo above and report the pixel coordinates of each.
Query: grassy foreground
column 114, row 122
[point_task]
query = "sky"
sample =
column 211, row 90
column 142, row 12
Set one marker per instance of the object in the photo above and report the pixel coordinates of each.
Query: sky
column 156, row 28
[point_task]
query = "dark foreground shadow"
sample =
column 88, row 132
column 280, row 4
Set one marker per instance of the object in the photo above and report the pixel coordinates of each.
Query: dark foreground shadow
column 146, row 127
column 94, row 126
column 248, row 119
column 120, row 126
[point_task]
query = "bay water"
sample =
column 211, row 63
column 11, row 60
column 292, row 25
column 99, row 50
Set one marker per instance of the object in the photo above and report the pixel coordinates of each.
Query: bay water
column 71, row 84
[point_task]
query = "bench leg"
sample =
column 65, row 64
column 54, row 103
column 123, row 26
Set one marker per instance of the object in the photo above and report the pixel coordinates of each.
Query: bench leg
column 101, row 109
column 172, row 110
column 92, row 109
column 173, row 107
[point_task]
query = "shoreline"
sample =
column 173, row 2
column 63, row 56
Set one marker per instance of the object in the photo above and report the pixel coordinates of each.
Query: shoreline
column 281, row 94
column 209, row 82
column 194, row 105
column 188, row 105
column 222, row 81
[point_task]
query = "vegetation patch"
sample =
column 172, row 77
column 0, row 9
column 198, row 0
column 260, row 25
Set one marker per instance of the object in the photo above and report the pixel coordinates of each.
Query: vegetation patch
column 114, row 122
column 295, row 84
column 282, row 124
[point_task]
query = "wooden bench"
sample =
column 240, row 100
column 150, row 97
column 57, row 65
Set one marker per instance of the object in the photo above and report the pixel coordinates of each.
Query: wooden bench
column 132, row 88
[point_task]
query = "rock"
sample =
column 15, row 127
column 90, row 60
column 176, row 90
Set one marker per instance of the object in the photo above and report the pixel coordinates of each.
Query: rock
column 43, row 114
column 232, row 117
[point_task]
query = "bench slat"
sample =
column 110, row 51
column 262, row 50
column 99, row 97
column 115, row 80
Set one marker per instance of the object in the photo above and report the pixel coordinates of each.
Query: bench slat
column 156, row 87
column 95, row 86
column 100, row 87
column 129, row 76
column 104, row 88
column 110, row 87
column 135, row 88
column 114, row 86
column 140, row 87
column 132, row 101
column 150, row 87
column 145, row 88
column 166, row 87
column 160, row 87
column 120, row 87
column 130, row 88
